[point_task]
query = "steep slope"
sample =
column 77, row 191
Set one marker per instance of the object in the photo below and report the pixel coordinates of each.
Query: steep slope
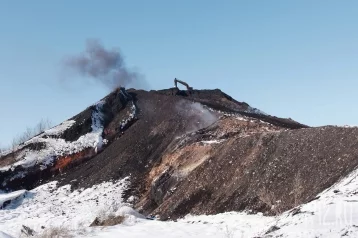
column 199, row 153
column 269, row 171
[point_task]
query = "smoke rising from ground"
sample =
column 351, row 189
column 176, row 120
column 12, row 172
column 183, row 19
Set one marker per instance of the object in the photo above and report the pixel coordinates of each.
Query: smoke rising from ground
column 102, row 65
column 199, row 116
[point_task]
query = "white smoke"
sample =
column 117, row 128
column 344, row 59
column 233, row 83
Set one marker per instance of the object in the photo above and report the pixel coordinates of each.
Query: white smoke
column 199, row 116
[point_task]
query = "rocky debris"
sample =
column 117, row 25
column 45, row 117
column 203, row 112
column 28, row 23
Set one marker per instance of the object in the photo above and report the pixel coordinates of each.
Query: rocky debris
column 272, row 229
column 270, row 172
column 27, row 231
column 163, row 186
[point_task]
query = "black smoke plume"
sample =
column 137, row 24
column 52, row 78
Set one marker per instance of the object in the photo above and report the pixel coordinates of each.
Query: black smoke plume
column 100, row 64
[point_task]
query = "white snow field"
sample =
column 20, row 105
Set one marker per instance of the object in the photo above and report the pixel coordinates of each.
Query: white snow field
column 47, row 206
column 222, row 225
column 333, row 214
column 4, row 235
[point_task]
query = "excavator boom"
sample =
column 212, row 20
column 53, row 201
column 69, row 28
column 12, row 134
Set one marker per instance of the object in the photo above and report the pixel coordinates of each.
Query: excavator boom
column 176, row 81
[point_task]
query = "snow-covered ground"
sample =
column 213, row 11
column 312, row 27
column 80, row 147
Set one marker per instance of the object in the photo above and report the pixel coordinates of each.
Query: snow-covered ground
column 48, row 206
column 209, row 142
column 255, row 111
column 333, row 214
column 5, row 197
column 224, row 225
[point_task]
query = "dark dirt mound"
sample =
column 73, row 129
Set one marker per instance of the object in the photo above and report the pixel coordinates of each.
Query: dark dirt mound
column 161, row 120
column 268, row 172
column 204, row 152
column 218, row 100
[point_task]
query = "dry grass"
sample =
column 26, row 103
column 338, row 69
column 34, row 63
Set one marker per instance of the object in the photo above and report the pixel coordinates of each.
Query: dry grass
column 297, row 189
column 40, row 127
column 3, row 149
column 269, row 198
column 111, row 220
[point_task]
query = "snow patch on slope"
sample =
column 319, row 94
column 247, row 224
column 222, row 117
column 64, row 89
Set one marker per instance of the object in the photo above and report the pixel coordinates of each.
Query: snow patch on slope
column 255, row 111
column 350, row 126
column 55, row 131
column 131, row 117
column 97, row 126
column 8, row 197
column 58, row 130
column 57, row 146
column 210, row 142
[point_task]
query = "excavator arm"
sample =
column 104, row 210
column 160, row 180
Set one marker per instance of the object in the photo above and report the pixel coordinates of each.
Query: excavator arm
column 176, row 81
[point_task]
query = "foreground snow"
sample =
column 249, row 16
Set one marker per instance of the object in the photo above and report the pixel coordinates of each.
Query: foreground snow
column 7, row 197
column 48, row 206
column 224, row 225
column 333, row 214
column 4, row 235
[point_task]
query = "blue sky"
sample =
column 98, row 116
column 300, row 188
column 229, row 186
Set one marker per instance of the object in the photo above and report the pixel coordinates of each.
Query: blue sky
column 295, row 59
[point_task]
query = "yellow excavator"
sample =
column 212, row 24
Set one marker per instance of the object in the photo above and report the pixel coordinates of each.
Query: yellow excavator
column 176, row 81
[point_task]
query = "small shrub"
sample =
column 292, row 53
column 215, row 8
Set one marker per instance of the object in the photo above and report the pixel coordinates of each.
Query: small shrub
column 298, row 189
column 3, row 149
column 40, row 127
column 269, row 198
column 111, row 220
